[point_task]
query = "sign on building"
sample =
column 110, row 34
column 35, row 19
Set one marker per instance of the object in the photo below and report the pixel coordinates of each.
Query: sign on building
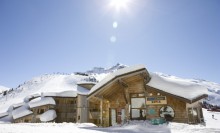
column 156, row 100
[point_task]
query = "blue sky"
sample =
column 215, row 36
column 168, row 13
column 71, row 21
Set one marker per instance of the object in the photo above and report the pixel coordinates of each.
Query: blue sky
column 180, row 38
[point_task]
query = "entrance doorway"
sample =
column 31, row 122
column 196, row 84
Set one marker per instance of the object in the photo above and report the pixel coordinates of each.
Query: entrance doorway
column 117, row 116
column 193, row 115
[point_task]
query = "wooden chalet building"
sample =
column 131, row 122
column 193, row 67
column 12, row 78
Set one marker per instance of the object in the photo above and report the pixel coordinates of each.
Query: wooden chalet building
column 130, row 93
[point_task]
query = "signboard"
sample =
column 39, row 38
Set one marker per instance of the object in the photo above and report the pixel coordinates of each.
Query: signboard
column 156, row 100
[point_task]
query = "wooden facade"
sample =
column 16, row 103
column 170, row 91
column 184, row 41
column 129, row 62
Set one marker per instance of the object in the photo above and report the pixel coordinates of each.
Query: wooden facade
column 24, row 119
column 66, row 109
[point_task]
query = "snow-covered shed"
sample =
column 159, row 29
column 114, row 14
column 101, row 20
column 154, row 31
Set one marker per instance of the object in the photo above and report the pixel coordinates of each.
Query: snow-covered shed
column 133, row 94
column 41, row 105
column 22, row 114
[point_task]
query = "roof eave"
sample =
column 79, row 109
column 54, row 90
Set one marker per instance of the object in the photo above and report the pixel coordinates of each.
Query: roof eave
column 118, row 76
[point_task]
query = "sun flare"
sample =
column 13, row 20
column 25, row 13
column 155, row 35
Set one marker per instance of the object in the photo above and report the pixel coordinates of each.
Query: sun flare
column 119, row 4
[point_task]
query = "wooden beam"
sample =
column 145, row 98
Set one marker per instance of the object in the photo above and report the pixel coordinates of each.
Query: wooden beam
column 121, row 82
column 101, row 111
column 124, row 87
column 145, row 77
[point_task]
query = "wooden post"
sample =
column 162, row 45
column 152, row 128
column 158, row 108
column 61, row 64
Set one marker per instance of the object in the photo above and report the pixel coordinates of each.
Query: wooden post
column 101, row 111
column 145, row 105
column 145, row 81
column 124, row 87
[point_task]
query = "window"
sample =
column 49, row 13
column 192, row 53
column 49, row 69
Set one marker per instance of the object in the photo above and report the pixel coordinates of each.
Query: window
column 167, row 112
column 40, row 111
column 137, row 102
column 138, row 111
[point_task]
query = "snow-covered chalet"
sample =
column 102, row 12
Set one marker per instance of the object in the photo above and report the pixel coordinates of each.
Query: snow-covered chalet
column 130, row 93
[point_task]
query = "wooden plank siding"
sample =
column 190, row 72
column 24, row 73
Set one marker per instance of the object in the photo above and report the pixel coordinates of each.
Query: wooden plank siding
column 24, row 119
column 66, row 109
column 178, row 106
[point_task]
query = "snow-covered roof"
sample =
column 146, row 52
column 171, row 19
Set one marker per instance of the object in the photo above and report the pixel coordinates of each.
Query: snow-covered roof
column 116, row 74
column 48, row 116
column 85, row 82
column 6, row 119
column 41, row 101
column 29, row 97
column 176, row 86
column 3, row 114
column 61, row 94
column 82, row 90
column 21, row 112
column 13, row 106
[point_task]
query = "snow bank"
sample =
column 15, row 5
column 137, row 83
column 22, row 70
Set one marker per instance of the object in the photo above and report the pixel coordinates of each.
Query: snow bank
column 48, row 116
column 115, row 74
column 212, row 126
column 177, row 86
column 41, row 101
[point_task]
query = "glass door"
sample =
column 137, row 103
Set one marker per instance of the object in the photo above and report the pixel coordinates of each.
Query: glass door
column 193, row 115
column 113, row 117
column 117, row 116
column 138, row 110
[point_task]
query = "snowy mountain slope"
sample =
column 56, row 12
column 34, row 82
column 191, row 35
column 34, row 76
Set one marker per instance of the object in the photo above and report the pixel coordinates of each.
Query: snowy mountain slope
column 213, row 91
column 100, row 70
column 53, row 84
column 3, row 88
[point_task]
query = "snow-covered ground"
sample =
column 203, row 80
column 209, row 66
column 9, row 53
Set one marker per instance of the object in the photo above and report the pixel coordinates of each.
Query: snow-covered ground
column 212, row 126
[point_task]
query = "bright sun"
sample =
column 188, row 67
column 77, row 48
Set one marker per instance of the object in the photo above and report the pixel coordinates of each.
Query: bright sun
column 118, row 4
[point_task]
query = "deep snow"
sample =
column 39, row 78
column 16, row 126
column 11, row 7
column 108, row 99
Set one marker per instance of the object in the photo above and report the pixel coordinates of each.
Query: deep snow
column 212, row 126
